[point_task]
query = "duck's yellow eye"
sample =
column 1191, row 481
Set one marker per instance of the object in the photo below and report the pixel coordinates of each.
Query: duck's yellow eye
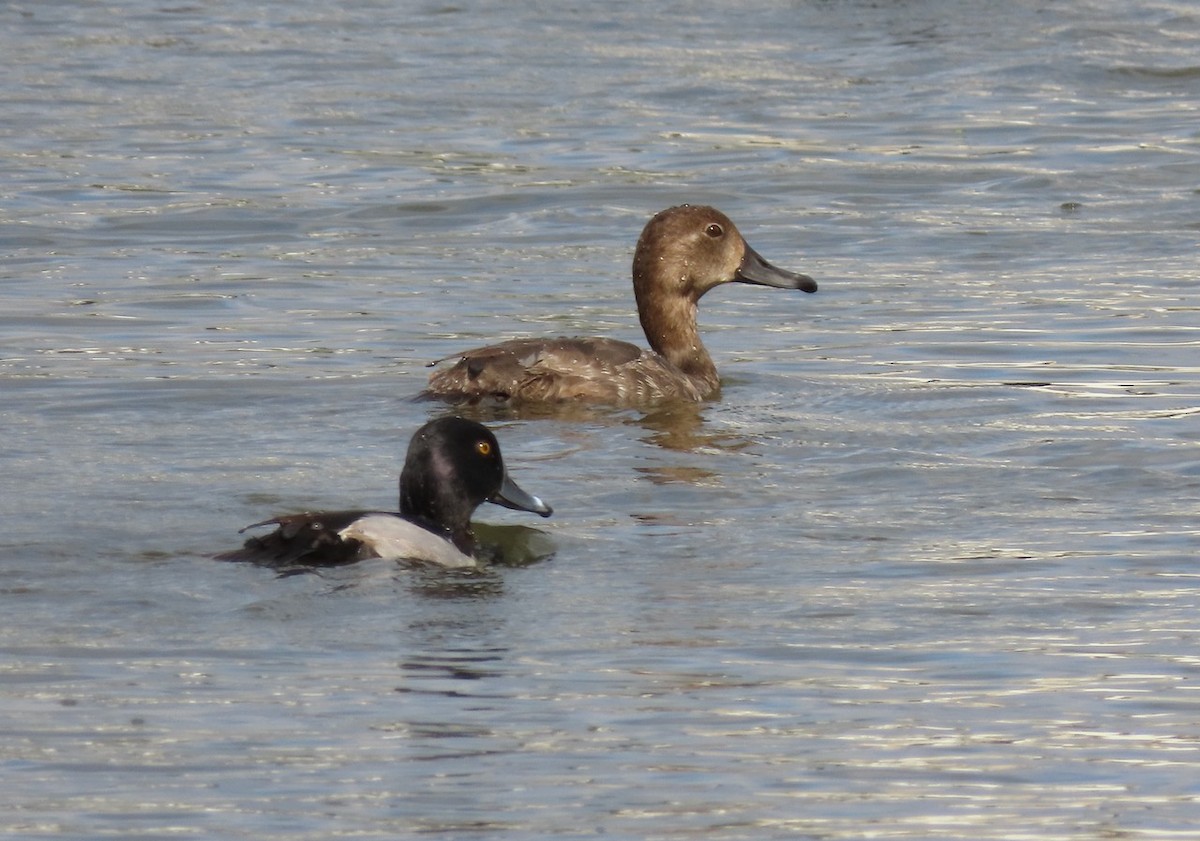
column 714, row 230
column 483, row 448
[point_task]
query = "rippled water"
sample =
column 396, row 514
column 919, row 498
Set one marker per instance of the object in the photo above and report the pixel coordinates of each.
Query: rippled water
column 926, row 570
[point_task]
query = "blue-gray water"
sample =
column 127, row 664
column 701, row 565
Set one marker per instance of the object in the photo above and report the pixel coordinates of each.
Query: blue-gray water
column 926, row 570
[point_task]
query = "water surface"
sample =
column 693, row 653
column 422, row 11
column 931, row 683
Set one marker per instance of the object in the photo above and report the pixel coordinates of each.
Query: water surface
column 925, row 570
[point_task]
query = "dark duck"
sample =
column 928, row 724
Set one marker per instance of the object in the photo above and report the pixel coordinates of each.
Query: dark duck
column 452, row 467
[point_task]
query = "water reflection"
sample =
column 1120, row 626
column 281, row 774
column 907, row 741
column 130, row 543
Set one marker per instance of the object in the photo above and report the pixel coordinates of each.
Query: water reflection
column 454, row 584
column 487, row 412
column 676, row 426
column 512, row 545
column 671, row 474
column 427, row 672
column 681, row 426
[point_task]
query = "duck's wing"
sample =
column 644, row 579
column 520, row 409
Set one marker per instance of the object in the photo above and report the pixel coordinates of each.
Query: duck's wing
column 308, row 539
column 559, row 370
column 395, row 538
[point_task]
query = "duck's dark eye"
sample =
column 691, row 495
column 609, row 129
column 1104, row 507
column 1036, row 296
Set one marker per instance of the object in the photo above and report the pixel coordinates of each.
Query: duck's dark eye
column 714, row 230
column 483, row 448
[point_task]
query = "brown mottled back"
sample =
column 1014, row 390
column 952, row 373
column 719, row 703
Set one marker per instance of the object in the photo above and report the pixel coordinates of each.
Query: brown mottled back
column 593, row 370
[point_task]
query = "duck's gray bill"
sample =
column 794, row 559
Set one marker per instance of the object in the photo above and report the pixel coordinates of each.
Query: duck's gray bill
column 754, row 269
column 512, row 496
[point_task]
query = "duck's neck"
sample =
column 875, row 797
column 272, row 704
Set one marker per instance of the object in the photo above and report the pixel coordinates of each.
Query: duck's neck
column 669, row 323
column 441, row 513
column 462, row 537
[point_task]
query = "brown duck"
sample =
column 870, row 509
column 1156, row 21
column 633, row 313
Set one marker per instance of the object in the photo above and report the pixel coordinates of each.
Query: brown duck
column 682, row 253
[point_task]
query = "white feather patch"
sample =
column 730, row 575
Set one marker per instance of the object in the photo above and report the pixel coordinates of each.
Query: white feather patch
column 394, row 538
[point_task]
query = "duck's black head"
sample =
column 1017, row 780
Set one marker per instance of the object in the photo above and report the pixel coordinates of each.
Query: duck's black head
column 453, row 466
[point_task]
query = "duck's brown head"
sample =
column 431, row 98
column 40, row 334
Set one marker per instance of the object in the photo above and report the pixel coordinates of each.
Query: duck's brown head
column 687, row 250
